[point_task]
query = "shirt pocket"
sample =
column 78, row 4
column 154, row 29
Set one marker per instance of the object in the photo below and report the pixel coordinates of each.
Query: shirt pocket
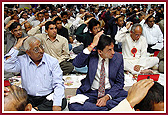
column 47, row 81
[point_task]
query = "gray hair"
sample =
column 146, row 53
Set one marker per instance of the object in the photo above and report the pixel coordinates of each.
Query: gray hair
column 134, row 26
column 28, row 41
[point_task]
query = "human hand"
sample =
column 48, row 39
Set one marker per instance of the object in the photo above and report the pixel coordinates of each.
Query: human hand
column 56, row 108
column 138, row 91
column 9, row 24
column 129, row 25
column 24, row 22
column 97, row 37
column 20, row 42
column 87, row 21
column 6, row 90
column 137, row 68
column 102, row 101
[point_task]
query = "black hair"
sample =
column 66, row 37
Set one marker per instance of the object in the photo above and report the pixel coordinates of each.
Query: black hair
column 39, row 14
column 149, row 18
column 104, row 41
column 93, row 22
column 14, row 25
column 154, row 95
column 22, row 14
column 116, row 19
column 57, row 19
column 64, row 13
column 48, row 23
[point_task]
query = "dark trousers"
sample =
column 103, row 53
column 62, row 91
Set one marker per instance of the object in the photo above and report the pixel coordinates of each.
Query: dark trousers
column 90, row 104
column 150, row 50
column 66, row 67
column 43, row 104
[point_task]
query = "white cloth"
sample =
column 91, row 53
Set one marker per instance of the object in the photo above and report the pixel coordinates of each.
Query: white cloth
column 140, row 58
column 124, row 105
column 79, row 98
column 153, row 35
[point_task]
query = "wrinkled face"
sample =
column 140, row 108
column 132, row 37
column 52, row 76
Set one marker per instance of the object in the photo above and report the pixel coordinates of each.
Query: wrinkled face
column 40, row 17
column 107, row 52
column 46, row 15
column 36, row 51
column 52, row 31
column 151, row 22
column 159, row 106
column 136, row 35
column 27, row 27
column 17, row 32
column 120, row 22
column 59, row 24
column 95, row 29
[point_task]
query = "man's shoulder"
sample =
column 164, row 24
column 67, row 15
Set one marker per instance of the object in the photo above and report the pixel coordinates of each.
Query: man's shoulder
column 49, row 58
column 62, row 38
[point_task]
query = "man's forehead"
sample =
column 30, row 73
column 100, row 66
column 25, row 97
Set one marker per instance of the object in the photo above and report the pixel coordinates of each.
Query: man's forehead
column 18, row 27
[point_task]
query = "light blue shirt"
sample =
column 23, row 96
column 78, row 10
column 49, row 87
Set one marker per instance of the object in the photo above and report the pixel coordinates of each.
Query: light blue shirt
column 37, row 80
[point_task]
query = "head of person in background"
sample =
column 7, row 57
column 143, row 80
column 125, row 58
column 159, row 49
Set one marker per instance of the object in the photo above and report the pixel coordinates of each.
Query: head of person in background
column 150, row 21
column 141, row 16
column 24, row 15
column 53, row 13
column 15, row 17
column 119, row 20
column 51, row 29
column 16, row 29
column 40, row 16
column 94, row 26
column 16, row 100
column 136, row 31
column 64, row 16
column 46, row 15
column 154, row 100
column 27, row 26
column 58, row 22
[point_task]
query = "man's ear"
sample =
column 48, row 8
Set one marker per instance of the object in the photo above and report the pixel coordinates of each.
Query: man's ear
column 46, row 31
column 28, row 107
column 12, row 32
column 28, row 53
column 99, row 51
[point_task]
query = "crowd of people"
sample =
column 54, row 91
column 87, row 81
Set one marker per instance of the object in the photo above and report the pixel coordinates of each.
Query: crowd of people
column 113, row 40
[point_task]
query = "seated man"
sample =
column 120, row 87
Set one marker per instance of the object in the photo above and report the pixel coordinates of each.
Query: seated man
column 134, row 50
column 40, row 74
column 154, row 100
column 16, row 99
column 55, row 45
column 105, row 78
column 144, row 95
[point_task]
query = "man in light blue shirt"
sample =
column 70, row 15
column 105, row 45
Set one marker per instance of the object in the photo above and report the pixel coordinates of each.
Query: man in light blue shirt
column 41, row 74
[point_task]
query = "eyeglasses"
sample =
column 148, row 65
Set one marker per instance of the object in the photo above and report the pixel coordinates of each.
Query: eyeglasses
column 37, row 49
column 137, row 34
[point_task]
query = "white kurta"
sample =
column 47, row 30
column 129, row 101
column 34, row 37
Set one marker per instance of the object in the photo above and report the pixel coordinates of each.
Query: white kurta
column 141, row 55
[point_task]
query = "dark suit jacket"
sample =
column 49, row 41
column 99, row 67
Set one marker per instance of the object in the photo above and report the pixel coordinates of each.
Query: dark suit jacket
column 116, row 72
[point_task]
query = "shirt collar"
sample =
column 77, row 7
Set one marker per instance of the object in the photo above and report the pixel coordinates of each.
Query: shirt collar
column 100, row 58
column 42, row 61
column 48, row 38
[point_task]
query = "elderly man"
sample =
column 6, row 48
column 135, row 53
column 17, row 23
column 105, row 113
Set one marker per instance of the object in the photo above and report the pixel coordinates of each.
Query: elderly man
column 41, row 74
column 134, row 50
column 104, row 82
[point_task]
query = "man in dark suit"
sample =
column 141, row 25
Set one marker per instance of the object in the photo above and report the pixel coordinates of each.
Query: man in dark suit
column 102, row 97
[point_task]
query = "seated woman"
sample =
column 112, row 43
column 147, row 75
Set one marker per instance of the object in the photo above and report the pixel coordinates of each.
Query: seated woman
column 16, row 99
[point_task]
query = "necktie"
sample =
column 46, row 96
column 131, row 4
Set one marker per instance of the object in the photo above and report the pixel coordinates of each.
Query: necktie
column 101, row 90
